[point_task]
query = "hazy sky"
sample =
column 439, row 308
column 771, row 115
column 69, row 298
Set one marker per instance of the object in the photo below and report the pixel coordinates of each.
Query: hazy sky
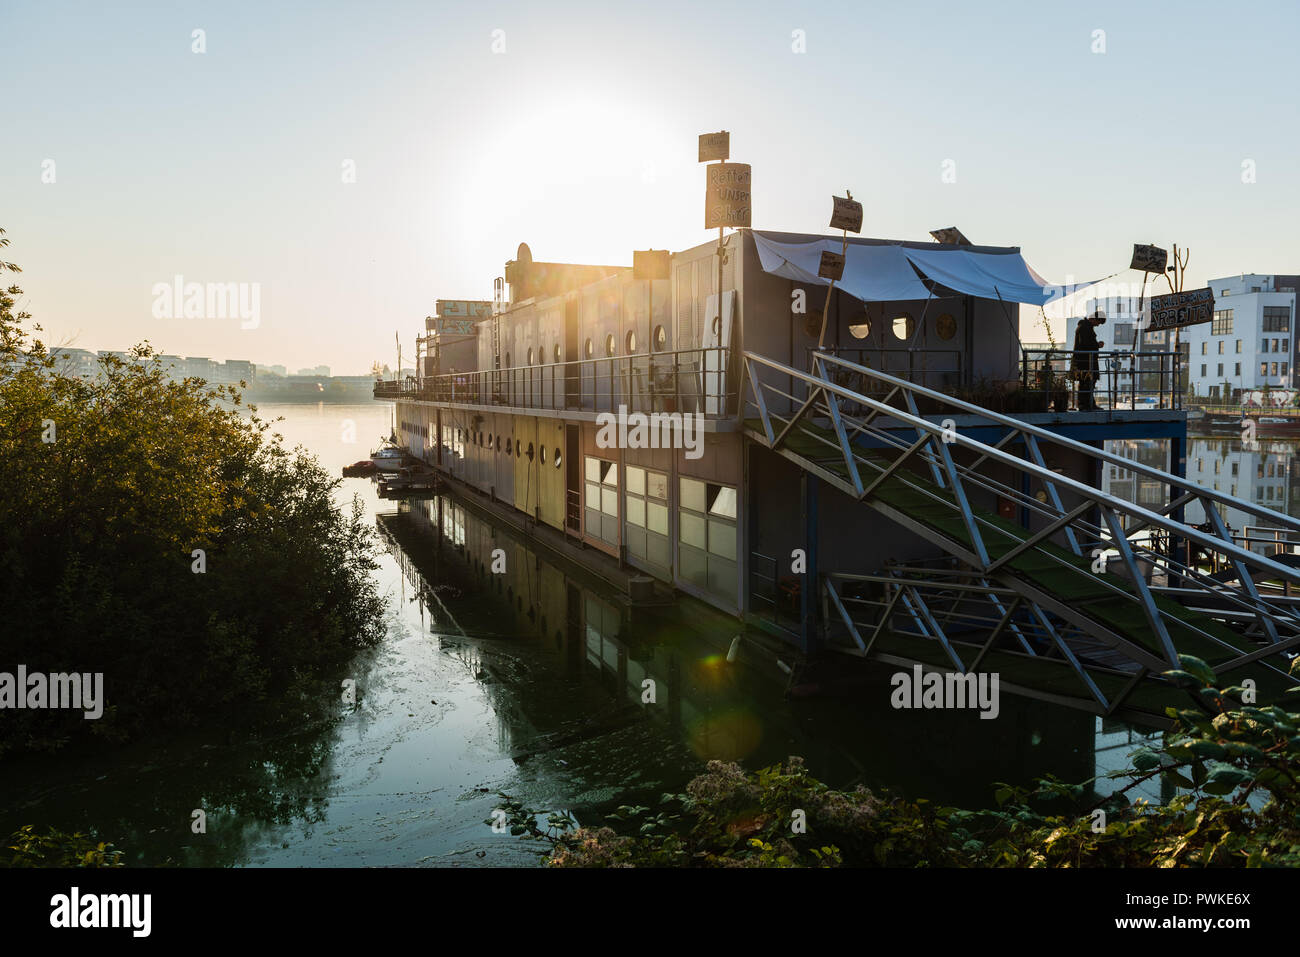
column 580, row 138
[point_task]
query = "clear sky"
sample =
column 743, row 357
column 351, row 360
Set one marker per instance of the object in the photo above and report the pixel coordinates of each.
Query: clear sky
column 580, row 138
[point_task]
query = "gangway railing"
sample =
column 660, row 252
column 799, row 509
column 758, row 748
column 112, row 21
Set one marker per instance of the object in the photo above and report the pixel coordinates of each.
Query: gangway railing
column 1086, row 561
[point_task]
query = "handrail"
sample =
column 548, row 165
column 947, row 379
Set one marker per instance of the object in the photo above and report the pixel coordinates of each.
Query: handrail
column 1055, row 438
column 1148, row 517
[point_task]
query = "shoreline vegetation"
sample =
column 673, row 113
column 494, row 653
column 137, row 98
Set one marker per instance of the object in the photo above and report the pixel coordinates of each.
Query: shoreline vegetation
column 1237, row 766
column 160, row 534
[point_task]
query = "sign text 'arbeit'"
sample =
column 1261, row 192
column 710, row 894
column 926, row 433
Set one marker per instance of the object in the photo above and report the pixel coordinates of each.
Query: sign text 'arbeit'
column 727, row 198
column 1178, row 309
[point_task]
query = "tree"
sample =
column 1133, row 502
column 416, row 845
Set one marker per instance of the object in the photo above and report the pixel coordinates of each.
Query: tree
column 153, row 532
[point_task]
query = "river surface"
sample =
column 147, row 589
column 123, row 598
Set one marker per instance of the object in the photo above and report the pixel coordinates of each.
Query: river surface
column 532, row 683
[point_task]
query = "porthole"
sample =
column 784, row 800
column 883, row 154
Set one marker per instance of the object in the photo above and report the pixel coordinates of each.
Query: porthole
column 498, row 442
column 661, row 338
column 557, row 353
column 631, row 341
column 590, row 349
column 530, row 451
column 945, row 326
column 904, row 325
column 860, row 330
column 530, row 356
column 519, row 449
column 610, row 344
column 542, row 454
column 557, row 458
column 507, row 446
column 489, row 441
column 507, row 360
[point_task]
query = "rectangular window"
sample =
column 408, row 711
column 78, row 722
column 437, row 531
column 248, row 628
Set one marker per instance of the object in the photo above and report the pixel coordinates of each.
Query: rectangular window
column 1220, row 372
column 1236, row 368
column 1238, row 345
column 1221, row 323
column 1204, row 347
column 1263, row 368
column 1220, row 347
column 1202, row 370
column 1274, row 372
column 1277, row 318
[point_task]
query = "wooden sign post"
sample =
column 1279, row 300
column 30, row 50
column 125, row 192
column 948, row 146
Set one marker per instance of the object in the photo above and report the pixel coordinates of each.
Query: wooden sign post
column 727, row 195
column 846, row 215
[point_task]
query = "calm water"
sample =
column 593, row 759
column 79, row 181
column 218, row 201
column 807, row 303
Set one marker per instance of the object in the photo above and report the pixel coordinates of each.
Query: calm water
column 528, row 683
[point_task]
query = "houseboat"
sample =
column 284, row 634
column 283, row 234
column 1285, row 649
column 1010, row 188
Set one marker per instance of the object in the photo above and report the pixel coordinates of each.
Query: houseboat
column 786, row 457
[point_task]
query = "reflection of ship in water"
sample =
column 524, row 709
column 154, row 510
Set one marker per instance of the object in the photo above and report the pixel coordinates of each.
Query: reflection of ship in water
column 568, row 664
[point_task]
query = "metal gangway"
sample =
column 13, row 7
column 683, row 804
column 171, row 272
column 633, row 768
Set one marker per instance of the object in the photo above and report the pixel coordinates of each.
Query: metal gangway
column 1070, row 593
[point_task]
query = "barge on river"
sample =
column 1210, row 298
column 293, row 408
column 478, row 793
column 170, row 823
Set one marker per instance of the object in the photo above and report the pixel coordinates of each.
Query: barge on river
column 868, row 467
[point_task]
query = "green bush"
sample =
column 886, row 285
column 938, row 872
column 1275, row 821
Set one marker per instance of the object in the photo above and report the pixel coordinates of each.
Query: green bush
column 1236, row 763
column 26, row 848
column 98, row 530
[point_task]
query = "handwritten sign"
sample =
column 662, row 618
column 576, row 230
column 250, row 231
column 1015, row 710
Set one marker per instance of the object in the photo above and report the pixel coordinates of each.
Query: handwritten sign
column 727, row 198
column 1149, row 258
column 1178, row 309
column 463, row 309
column 831, row 266
column 847, row 214
column 715, row 147
column 649, row 264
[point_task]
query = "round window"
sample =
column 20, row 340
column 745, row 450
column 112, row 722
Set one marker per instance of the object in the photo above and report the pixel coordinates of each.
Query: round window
column 861, row 330
column 661, row 338
column 542, row 453
column 507, row 446
column 631, row 341
column 590, row 350
column 945, row 326
column 498, row 443
column 557, row 458
column 609, row 344
column 530, row 356
column 904, row 326
column 519, row 449
column 489, row 441
column 530, row 451
column 557, row 353
column 507, row 360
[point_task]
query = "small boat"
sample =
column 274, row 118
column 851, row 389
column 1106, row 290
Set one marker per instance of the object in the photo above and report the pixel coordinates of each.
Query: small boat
column 389, row 458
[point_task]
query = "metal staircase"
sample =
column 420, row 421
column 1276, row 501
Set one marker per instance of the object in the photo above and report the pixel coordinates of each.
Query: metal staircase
column 1071, row 593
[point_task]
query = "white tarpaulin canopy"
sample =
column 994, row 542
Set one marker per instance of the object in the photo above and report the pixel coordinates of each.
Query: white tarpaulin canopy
column 882, row 272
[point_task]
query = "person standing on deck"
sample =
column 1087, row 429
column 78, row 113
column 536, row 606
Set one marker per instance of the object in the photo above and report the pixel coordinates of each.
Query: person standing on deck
column 1086, row 346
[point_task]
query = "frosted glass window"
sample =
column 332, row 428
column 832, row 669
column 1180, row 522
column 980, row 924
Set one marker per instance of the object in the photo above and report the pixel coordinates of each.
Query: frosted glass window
column 636, row 511
column 657, row 518
column 636, row 480
column 693, row 495
column 692, row 530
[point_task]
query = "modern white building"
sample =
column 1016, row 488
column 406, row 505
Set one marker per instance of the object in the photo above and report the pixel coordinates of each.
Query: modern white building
column 1250, row 342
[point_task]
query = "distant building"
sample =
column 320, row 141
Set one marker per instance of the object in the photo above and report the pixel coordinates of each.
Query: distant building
column 76, row 362
column 238, row 370
column 316, row 371
column 1249, row 344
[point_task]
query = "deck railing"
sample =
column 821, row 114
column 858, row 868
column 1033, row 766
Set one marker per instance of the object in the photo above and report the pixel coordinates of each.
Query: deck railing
column 1125, row 380
column 689, row 380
